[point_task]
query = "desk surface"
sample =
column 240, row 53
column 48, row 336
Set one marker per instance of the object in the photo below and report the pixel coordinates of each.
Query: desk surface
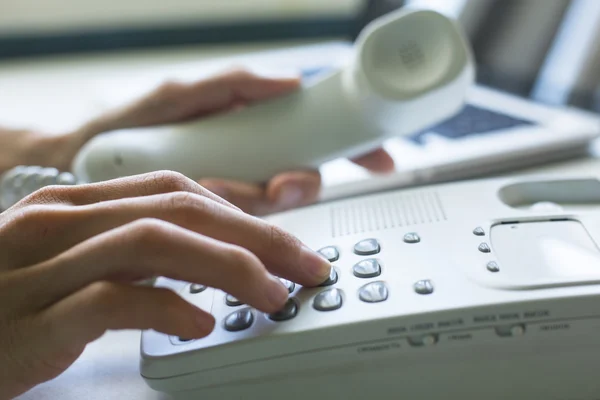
column 35, row 93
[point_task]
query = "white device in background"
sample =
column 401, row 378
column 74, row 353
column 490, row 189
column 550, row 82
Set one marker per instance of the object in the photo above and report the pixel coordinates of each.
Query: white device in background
column 411, row 70
column 496, row 133
column 486, row 289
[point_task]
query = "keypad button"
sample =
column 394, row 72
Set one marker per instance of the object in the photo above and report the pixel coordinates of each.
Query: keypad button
column 478, row 231
column 484, row 248
column 239, row 320
column 289, row 311
column 328, row 300
column 367, row 247
column 367, row 268
column 332, row 280
column 423, row 287
column 412, row 238
column 180, row 341
column 290, row 286
column 232, row 301
column 331, row 253
column 493, row 266
column 373, row 292
column 196, row 288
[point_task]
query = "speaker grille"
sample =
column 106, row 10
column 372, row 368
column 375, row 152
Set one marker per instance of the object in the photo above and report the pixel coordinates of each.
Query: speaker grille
column 387, row 212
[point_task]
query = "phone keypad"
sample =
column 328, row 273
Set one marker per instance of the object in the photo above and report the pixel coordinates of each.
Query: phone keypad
column 328, row 297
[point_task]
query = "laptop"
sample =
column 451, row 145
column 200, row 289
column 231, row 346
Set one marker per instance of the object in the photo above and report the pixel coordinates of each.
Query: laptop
column 495, row 132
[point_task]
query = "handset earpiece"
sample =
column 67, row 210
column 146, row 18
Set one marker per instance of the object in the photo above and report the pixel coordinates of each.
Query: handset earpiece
column 411, row 69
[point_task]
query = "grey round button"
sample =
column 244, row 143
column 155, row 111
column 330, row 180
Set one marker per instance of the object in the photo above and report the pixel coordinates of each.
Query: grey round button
column 288, row 284
column 478, row 231
column 328, row 300
column 332, row 280
column 493, row 266
column 289, row 311
column 423, row 287
column 232, row 301
column 367, row 268
column 239, row 320
column 373, row 292
column 330, row 253
column 412, row 238
column 484, row 248
column 196, row 288
column 367, row 247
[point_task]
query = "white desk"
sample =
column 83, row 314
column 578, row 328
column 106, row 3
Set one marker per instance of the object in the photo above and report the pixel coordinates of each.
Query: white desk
column 56, row 94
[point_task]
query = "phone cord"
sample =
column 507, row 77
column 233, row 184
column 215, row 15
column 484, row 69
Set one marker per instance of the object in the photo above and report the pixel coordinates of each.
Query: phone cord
column 19, row 182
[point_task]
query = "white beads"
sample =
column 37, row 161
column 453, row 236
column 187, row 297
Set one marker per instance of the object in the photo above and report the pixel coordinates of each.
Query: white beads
column 21, row 181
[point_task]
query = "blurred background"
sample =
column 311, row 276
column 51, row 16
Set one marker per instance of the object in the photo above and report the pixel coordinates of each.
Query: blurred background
column 540, row 49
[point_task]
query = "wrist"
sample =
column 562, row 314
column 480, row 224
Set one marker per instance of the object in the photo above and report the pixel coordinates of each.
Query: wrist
column 21, row 147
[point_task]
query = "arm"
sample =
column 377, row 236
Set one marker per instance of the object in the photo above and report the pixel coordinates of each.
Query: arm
column 26, row 147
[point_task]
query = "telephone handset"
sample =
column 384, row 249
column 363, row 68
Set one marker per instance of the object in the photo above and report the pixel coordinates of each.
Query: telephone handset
column 411, row 69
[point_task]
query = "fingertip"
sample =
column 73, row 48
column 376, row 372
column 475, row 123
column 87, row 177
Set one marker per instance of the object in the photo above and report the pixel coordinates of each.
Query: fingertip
column 294, row 189
column 205, row 323
column 377, row 161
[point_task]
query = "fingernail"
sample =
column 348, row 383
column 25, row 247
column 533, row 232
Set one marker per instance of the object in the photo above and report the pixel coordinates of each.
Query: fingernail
column 317, row 267
column 290, row 196
column 277, row 293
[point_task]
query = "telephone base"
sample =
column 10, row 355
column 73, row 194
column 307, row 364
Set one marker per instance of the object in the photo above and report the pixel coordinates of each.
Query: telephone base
column 479, row 289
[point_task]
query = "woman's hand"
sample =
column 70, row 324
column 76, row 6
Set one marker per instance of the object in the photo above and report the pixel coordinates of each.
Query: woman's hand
column 177, row 102
column 70, row 257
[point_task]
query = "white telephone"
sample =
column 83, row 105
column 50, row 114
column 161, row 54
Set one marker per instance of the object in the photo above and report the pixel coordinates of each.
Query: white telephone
column 483, row 290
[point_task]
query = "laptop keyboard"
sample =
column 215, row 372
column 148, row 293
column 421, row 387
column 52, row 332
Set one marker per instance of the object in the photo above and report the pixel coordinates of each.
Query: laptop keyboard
column 471, row 121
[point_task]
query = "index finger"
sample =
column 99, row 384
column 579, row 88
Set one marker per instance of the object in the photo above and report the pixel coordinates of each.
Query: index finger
column 283, row 254
column 147, row 184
